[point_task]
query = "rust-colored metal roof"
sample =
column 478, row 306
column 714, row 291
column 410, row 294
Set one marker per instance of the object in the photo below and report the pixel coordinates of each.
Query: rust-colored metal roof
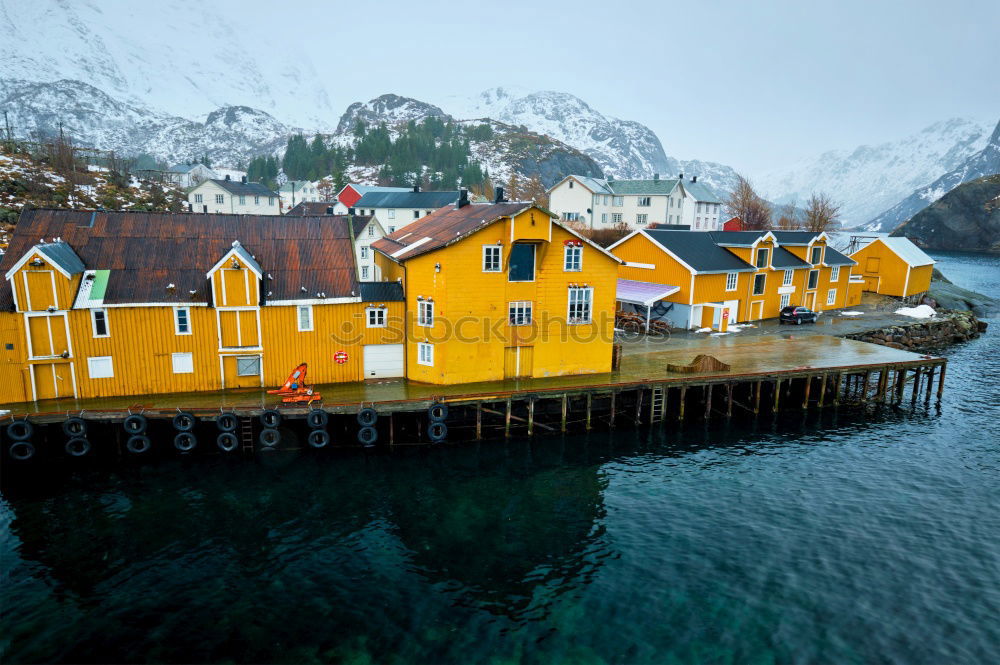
column 446, row 225
column 146, row 252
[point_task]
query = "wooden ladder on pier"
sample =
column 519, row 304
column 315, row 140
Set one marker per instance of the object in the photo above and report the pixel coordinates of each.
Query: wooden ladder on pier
column 246, row 435
column 657, row 404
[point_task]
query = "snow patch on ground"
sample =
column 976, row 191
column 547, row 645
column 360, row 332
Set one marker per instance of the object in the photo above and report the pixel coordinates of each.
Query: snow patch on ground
column 851, row 313
column 918, row 312
column 703, row 330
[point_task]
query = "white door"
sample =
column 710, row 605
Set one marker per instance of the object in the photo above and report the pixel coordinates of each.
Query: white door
column 383, row 361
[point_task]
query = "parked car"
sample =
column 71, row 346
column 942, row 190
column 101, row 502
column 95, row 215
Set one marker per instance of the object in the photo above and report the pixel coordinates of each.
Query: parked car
column 798, row 315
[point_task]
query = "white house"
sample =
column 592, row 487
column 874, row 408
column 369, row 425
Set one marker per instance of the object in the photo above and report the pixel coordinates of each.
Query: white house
column 367, row 230
column 189, row 175
column 600, row 203
column 229, row 196
column 394, row 210
column 294, row 192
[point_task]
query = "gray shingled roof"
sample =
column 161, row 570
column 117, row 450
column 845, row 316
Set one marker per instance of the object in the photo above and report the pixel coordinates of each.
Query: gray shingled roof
column 660, row 187
column 794, row 237
column 596, row 185
column 62, row 254
column 244, row 188
column 701, row 192
column 784, row 259
column 736, row 238
column 699, row 251
column 407, row 199
column 834, row 258
column 382, row 292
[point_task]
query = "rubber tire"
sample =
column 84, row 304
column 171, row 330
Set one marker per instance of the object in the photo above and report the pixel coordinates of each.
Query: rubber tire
column 184, row 422
column 265, row 436
column 74, row 427
column 139, row 444
column 318, row 438
column 135, row 424
column 27, row 447
column 20, row 430
column 227, row 442
column 227, row 422
column 367, row 417
column 437, row 412
column 73, row 451
column 185, row 442
column 317, row 418
column 270, row 418
column 437, row 431
column 367, row 436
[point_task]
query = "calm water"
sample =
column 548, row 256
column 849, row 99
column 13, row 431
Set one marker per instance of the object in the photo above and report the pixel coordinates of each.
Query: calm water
column 849, row 539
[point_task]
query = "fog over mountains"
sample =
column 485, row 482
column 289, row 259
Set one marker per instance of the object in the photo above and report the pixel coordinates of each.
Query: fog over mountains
column 190, row 88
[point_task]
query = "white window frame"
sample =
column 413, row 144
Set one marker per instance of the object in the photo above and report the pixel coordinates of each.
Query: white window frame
column 519, row 313
column 617, row 201
column 488, row 261
column 616, row 218
column 243, row 200
column 732, row 280
column 220, row 199
column 364, row 251
column 572, row 258
column 787, row 279
column 831, row 296
column 812, row 250
column 376, row 317
column 810, row 284
column 308, row 310
column 835, row 274
column 182, row 363
column 580, row 296
column 270, row 202
column 641, row 219
column 644, row 202
column 425, row 354
column 198, row 198
column 364, row 272
column 767, row 257
column 239, row 358
column 177, row 322
column 93, row 323
column 425, row 313
column 100, row 373
column 785, row 301
column 392, row 213
column 256, row 200
column 371, row 231
column 763, row 287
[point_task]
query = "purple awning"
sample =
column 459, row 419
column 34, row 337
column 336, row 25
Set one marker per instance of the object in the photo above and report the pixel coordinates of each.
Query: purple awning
column 643, row 293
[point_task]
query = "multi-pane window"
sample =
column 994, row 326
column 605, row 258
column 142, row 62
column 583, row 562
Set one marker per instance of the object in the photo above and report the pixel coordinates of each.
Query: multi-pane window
column 220, row 198
column 99, row 319
column 641, row 219
column 580, row 298
column 364, row 272
column 813, row 279
column 376, row 317
column 816, row 255
column 604, row 218
column 425, row 313
column 645, row 201
column 834, row 273
column 785, row 300
column 759, row 282
column 256, row 200
column 491, row 258
column 519, row 313
column 364, row 251
column 831, row 296
column 425, row 354
column 371, row 231
column 571, row 216
column 247, row 365
column 616, row 218
column 243, row 200
column 392, row 213
column 762, row 257
column 182, row 321
column 573, row 258
column 198, row 198
column 305, row 318
column 618, row 201
column 731, row 281
column 787, row 280
column 270, row 202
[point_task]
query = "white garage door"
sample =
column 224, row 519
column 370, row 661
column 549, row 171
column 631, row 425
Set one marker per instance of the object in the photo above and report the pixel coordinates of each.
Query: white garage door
column 383, row 360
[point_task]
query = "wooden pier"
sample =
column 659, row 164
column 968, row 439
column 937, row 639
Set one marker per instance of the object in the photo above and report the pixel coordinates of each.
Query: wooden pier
column 766, row 376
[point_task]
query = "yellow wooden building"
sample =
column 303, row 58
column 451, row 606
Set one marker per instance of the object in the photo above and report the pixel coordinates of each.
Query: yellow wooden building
column 736, row 276
column 109, row 303
column 894, row 267
column 501, row 291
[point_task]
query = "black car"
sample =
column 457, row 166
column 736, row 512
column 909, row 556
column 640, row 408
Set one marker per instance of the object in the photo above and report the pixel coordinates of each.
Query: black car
column 798, row 315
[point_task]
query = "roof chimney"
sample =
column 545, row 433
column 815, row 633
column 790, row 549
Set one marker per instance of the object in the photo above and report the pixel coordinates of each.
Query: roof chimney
column 329, row 210
column 416, row 188
column 243, row 179
column 680, row 176
column 656, row 177
column 463, row 198
column 694, row 178
column 499, row 197
column 227, row 177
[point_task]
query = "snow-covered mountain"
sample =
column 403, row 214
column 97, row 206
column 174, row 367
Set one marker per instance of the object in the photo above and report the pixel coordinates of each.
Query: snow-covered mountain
column 870, row 179
column 986, row 162
column 197, row 59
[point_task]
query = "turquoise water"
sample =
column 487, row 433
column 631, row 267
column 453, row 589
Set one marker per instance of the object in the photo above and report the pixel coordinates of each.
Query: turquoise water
column 847, row 538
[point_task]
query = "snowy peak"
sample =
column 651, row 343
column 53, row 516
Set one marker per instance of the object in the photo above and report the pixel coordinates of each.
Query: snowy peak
column 393, row 110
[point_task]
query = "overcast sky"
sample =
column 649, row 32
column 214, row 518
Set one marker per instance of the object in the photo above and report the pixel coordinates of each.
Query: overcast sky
column 751, row 84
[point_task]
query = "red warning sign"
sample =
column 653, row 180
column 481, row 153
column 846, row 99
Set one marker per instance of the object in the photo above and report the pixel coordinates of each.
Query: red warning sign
column 340, row 357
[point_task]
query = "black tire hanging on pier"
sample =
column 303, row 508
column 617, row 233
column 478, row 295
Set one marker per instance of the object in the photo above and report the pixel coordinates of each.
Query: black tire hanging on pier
column 185, row 442
column 437, row 412
column 227, row 422
column 227, row 442
column 367, row 417
column 318, row 418
column 269, row 437
column 270, row 418
column 22, row 451
column 367, row 436
column 77, row 447
column 20, row 430
column 184, row 422
column 319, row 438
column 135, row 424
column 74, row 427
column 437, row 431
column 139, row 444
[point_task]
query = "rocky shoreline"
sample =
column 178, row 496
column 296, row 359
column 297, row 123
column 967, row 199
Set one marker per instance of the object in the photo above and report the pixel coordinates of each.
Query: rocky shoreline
column 947, row 328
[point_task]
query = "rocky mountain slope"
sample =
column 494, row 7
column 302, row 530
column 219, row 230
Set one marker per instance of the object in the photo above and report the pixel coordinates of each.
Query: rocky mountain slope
column 983, row 163
column 870, row 179
column 966, row 218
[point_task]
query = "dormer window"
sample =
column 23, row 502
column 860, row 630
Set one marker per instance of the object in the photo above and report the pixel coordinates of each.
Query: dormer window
column 817, row 255
column 762, row 255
